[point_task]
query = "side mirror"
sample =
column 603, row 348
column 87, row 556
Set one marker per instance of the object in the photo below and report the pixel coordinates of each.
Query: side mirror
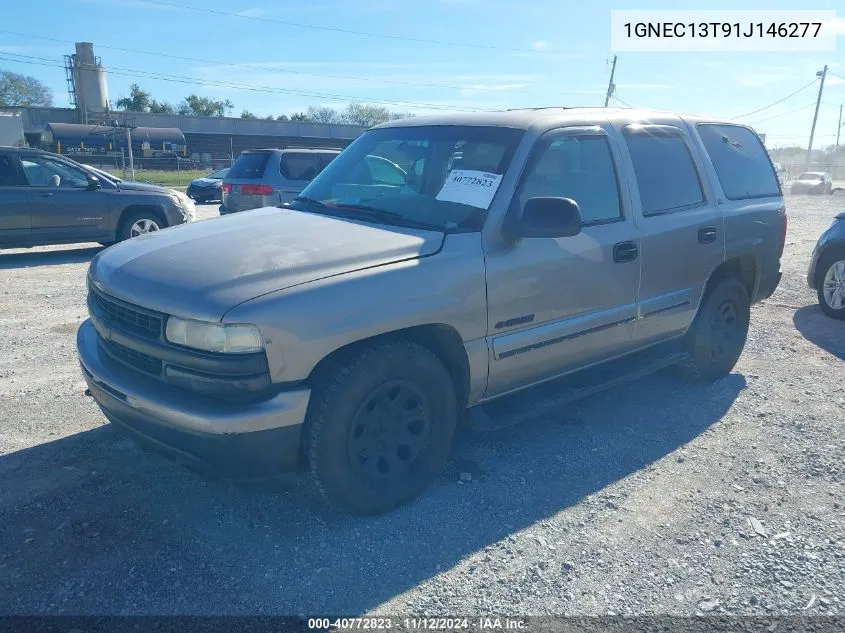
column 93, row 183
column 546, row 217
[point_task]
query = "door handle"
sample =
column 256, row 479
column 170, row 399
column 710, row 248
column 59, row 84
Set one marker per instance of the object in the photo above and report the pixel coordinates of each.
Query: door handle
column 625, row 252
column 42, row 194
column 707, row 234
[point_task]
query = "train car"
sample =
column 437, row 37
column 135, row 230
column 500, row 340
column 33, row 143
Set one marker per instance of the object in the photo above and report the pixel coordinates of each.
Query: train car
column 94, row 141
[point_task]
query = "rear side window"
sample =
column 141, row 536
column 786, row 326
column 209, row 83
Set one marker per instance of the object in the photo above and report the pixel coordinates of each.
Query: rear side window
column 302, row 166
column 740, row 160
column 665, row 172
column 327, row 157
column 249, row 165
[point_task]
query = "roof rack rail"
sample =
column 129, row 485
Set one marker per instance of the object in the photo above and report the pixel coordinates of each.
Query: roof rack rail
column 543, row 108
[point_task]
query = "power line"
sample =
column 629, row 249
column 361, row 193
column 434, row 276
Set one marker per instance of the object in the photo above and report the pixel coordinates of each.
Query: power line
column 812, row 104
column 628, row 105
column 132, row 72
column 241, row 65
column 331, row 29
column 771, row 105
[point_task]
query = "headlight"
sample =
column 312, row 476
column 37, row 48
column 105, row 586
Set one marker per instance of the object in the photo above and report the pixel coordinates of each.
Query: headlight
column 214, row 337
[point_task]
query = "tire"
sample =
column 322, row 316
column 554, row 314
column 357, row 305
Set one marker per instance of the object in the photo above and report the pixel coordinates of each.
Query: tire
column 135, row 224
column 717, row 336
column 831, row 282
column 360, row 460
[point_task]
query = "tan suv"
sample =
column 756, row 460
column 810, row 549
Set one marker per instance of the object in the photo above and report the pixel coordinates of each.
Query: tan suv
column 487, row 267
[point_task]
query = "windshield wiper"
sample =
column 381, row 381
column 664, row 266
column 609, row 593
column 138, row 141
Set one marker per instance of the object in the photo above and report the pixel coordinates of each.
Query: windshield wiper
column 389, row 216
column 311, row 200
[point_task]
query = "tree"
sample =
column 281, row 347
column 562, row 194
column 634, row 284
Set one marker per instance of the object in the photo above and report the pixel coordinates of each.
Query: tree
column 161, row 107
column 283, row 117
column 323, row 114
column 22, row 90
column 368, row 114
column 137, row 101
column 246, row 114
column 140, row 100
column 194, row 105
column 299, row 117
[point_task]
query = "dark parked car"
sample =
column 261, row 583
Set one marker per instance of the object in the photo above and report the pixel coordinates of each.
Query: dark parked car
column 827, row 269
column 209, row 187
column 49, row 199
column 812, row 182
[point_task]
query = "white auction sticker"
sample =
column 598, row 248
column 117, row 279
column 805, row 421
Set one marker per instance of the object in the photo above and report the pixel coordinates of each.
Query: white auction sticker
column 468, row 186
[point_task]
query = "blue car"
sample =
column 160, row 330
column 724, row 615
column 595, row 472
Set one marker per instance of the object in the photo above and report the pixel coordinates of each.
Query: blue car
column 208, row 188
column 827, row 269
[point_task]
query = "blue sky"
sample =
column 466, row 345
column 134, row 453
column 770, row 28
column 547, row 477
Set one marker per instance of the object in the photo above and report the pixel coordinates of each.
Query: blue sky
column 550, row 52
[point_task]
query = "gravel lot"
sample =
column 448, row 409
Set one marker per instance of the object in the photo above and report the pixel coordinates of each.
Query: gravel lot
column 653, row 498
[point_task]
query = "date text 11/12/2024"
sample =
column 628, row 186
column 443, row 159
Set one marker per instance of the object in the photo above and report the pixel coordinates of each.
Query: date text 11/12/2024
column 417, row 624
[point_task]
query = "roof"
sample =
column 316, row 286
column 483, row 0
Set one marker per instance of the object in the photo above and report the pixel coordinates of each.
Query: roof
column 298, row 150
column 79, row 132
column 528, row 117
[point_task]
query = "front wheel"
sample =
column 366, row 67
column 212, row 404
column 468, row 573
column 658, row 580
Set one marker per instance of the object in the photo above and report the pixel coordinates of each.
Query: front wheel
column 380, row 427
column 831, row 289
column 717, row 336
column 140, row 224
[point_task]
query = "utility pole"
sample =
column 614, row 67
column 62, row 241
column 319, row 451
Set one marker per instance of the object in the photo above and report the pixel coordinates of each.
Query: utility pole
column 129, row 147
column 128, row 125
column 838, row 128
column 822, row 73
column 610, row 86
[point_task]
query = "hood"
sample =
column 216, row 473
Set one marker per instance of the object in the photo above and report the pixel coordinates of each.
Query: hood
column 205, row 182
column 203, row 269
column 808, row 182
column 131, row 185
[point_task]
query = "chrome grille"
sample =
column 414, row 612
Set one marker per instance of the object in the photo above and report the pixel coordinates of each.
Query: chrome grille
column 125, row 315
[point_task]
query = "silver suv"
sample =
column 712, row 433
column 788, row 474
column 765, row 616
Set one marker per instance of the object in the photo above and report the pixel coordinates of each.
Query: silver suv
column 269, row 177
column 482, row 268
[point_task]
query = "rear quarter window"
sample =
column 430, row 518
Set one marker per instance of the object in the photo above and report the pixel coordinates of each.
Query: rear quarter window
column 304, row 166
column 249, row 165
column 740, row 160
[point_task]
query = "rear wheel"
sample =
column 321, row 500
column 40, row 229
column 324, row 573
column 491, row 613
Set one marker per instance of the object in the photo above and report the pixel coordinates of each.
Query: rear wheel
column 831, row 286
column 140, row 223
column 717, row 336
column 380, row 427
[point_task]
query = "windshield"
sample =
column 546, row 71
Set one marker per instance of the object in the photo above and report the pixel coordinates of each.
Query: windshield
column 219, row 174
column 810, row 176
column 444, row 176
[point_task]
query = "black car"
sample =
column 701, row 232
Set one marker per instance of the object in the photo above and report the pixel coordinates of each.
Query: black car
column 209, row 187
column 49, row 199
column 827, row 269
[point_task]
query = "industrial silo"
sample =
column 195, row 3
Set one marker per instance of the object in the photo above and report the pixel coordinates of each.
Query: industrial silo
column 90, row 85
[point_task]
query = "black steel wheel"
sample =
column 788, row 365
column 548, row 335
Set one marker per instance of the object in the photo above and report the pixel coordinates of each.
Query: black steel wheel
column 717, row 336
column 380, row 426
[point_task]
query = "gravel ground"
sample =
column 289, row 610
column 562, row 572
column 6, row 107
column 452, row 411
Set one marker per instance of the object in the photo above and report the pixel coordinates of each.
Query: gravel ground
column 653, row 498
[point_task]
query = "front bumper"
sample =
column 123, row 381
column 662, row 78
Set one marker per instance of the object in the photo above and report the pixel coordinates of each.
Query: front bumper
column 768, row 285
column 235, row 441
column 811, row 270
